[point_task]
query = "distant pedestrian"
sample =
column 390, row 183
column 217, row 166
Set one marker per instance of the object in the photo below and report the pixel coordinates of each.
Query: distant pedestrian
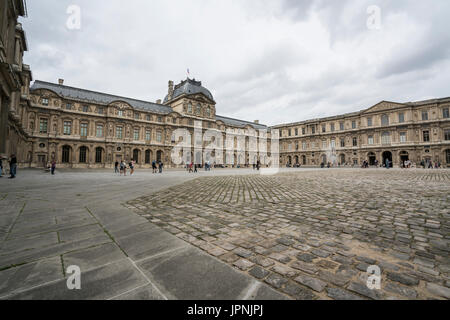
column 195, row 168
column 122, row 167
column 154, row 166
column 116, row 167
column 131, row 164
column 190, row 167
column 53, row 168
column 13, row 166
column 1, row 167
column 161, row 165
column 387, row 163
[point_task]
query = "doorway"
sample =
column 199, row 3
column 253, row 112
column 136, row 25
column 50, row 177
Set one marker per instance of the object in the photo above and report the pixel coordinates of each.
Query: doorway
column 387, row 156
column 372, row 158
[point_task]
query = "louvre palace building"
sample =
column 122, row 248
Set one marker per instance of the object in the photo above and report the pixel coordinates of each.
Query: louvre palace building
column 80, row 128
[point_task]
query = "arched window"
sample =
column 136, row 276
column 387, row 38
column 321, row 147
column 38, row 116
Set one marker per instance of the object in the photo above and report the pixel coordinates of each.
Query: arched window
column 199, row 109
column 384, row 120
column 189, row 110
column 83, row 153
column 147, row 157
column 208, row 111
column 65, row 154
column 136, row 156
column 98, row 155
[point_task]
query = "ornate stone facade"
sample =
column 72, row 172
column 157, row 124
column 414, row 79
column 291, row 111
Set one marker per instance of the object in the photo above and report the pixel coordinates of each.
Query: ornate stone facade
column 15, row 78
column 82, row 128
column 412, row 131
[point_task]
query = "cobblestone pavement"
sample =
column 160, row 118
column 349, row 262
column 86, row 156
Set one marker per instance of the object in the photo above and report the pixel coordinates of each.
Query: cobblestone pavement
column 313, row 234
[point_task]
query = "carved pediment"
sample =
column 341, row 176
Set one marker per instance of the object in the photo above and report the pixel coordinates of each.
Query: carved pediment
column 383, row 106
column 121, row 105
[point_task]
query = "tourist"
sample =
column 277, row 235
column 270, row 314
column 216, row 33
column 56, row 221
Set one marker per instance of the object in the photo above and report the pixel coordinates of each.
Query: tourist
column 131, row 164
column 195, row 168
column 190, row 167
column 161, row 165
column 52, row 170
column 387, row 163
column 154, row 166
column 116, row 167
column 122, row 167
column 13, row 166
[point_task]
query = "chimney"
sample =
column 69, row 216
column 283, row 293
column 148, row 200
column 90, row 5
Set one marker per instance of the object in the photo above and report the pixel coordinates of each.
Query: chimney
column 158, row 101
column 61, row 82
column 256, row 121
column 170, row 90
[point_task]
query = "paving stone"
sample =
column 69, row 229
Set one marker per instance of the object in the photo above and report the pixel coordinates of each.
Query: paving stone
column 306, row 257
column 438, row 290
column 363, row 290
column 336, row 279
column 305, row 267
column 402, row 278
column 341, row 294
column 320, row 253
column 258, row 272
column 313, row 283
column 401, row 290
column 243, row 264
column 276, row 280
column 298, row 292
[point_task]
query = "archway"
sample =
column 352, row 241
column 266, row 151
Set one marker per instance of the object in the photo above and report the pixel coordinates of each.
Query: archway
column 136, row 154
column 296, row 160
column 159, row 156
column 324, row 159
column 387, row 155
column 304, row 160
column 289, row 160
column 342, row 159
column 372, row 158
column 98, row 155
column 66, row 151
column 148, row 156
column 83, row 154
column 404, row 156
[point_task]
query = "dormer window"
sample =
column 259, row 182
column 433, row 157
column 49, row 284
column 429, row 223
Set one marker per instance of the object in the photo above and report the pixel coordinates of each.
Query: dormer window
column 199, row 109
column 136, row 116
column 120, row 113
column 189, row 110
column 45, row 101
column 85, row 109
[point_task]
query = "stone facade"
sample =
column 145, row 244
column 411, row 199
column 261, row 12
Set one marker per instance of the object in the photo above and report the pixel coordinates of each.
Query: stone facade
column 81, row 128
column 412, row 131
column 15, row 78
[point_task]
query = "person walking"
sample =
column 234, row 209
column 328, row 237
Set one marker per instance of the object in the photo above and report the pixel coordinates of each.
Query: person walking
column 122, row 167
column 195, row 168
column 13, row 166
column 190, row 167
column 53, row 168
column 131, row 164
column 116, row 167
column 154, row 166
column 161, row 164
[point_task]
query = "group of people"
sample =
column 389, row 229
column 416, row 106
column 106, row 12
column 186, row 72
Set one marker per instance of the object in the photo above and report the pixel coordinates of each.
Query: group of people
column 257, row 165
column 12, row 167
column 428, row 164
column 193, row 167
column 121, row 168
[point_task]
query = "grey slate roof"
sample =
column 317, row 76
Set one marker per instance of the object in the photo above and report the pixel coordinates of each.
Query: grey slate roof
column 189, row 86
column 98, row 97
column 104, row 98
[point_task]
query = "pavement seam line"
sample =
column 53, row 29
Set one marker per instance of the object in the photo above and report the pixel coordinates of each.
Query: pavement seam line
column 128, row 291
column 15, row 221
column 254, row 286
column 149, row 281
column 160, row 254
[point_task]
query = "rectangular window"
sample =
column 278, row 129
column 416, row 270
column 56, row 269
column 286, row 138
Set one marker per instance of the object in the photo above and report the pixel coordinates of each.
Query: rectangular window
column 119, row 132
column 341, row 126
column 290, row 147
column 148, row 117
column 370, row 140
column 147, row 135
column 159, row 136
column 120, row 113
column 424, row 115
column 313, row 130
column 85, row 108
column 401, row 117
column 281, row 133
column 332, row 127
column 43, row 124
column 136, row 116
column 296, row 132
column 68, row 106
column 324, row 144
column 136, row 134
column 402, row 137
column 333, row 144
column 84, row 130
column 289, row 132
column 160, row 119
column 369, row 122
column 45, row 101
column 99, row 130
column 355, row 142
column 426, row 136
column 447, row 135
column 304, row 145
column 445, row 113
column 100, row 110
column 324, row 128
column 353, row 124
column 67, row 128
column 303, row 131
column 342, row 143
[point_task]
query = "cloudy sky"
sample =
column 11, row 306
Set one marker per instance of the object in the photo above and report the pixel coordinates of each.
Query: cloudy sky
column 276, row 61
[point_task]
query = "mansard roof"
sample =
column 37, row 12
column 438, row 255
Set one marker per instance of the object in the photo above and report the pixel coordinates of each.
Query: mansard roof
column 98, row 97
column 188, row 87
column 89, row 96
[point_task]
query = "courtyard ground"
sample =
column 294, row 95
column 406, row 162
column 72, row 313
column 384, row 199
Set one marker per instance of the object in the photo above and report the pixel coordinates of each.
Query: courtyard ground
column 226, row 234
